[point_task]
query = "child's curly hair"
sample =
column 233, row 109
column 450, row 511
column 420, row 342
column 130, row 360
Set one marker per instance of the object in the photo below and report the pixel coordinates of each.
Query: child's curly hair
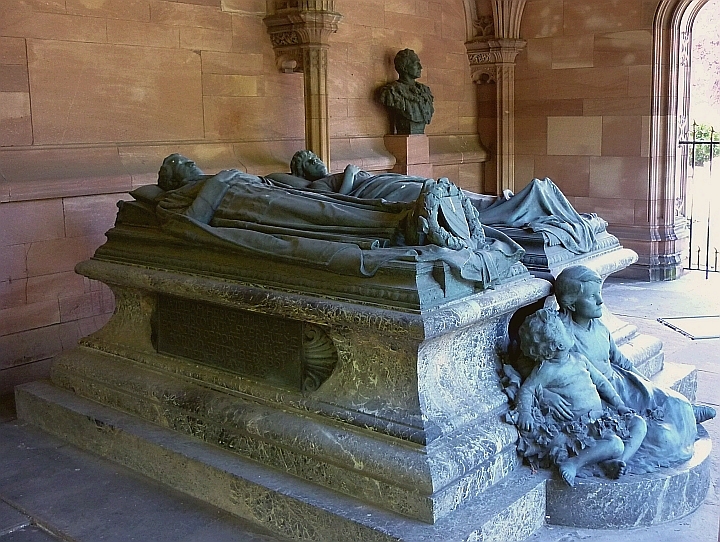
column 543, row 334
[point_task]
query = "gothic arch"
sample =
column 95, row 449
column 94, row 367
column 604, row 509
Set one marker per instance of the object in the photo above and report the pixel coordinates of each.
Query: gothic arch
column 672, row 27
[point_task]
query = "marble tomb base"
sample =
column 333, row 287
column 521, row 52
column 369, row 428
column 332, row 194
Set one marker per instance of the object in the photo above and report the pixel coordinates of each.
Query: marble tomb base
column 398, row 410
column 354, row 416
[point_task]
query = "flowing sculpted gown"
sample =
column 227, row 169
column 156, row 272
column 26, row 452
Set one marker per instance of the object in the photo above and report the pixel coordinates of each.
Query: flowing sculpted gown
column 670, row 418
column 346, row 234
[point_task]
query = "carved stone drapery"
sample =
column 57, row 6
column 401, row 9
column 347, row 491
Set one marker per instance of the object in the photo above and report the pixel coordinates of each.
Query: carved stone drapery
column 492, row 53
column 299, row 32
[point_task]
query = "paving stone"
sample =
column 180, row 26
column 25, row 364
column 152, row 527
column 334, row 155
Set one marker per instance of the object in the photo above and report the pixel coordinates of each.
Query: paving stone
column 88, row 499
column 30, row 533
column 11, row 519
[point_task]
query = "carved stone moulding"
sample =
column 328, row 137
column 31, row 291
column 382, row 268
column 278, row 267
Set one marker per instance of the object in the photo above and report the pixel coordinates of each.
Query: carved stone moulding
column 398, row 408
column 486, row 56
column 297, row 25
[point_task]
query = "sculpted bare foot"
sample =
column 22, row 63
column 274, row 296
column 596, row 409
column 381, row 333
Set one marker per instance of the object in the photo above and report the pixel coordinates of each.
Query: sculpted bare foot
column 703, row 413
column 568, row 470
column 614, row 468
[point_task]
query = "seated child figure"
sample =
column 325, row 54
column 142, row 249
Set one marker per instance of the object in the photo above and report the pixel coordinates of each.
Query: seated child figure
column 573, row 388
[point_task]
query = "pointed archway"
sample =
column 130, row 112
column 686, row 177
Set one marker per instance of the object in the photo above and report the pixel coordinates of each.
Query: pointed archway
column 672, row 29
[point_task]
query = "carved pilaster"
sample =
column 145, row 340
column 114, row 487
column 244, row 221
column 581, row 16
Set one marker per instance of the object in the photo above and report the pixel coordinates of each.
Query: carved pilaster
column 299, row 32
column 492, row 53
column 493, row 61
column 507, row 15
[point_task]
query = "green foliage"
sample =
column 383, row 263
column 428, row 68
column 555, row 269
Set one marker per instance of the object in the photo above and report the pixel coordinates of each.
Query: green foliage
column 702, row 133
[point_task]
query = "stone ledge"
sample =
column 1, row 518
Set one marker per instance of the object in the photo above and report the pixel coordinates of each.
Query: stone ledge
column 353, row 461
column 510, row 511
column 56, row 171
column 633, row 500
column 680, row 377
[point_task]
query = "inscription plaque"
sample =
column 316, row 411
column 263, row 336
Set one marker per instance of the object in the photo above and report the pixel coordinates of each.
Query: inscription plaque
column 243, row 342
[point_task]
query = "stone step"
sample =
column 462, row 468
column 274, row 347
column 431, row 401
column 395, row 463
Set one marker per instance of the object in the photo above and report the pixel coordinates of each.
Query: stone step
column 424, row 483
column 680, row 377
column 291, row 507
column 633, row 500
column 645, row 352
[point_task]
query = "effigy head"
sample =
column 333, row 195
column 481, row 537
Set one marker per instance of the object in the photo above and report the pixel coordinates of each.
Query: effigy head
column 407, row 62
column 571, row 283
column 308, row 165
column 543, row 335
column 176, row 170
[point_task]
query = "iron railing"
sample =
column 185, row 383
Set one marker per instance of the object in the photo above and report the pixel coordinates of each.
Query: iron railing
column 704, row 231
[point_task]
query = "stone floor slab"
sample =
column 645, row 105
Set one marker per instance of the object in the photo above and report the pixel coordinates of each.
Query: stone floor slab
column 11, row 520
column 31, row 533
column 84, row 498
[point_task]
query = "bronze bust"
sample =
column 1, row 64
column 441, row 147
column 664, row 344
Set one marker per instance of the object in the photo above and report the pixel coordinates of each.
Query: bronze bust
column 410, row 103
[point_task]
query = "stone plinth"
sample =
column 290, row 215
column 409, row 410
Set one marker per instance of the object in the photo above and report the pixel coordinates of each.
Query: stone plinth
column 294, row 508
column 633, row 500
column 412, row 154
column 401, row 408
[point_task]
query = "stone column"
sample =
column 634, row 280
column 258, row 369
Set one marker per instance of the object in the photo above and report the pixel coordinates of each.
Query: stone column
column 299, row 32
column 492, row 60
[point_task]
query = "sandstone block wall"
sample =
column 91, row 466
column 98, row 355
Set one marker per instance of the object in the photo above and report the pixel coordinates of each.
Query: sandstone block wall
column 583, row 106
column 94, row 93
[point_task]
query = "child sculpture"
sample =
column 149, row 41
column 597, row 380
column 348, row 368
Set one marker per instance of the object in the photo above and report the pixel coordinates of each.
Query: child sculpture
column 670, row 417
column 579, row 432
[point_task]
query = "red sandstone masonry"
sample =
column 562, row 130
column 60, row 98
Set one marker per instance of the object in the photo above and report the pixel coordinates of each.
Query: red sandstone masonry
column 12, row 51
column 628, row 48
column 13, row 293
column 622, row 136
column 249, row 34
column 47, row 257
column 143, row 34
column 192, row 15
column 28, row 372
column 621, row 177
column 54, row 286
column 90, row 215
column 613, row 210
column 85, row 305
column 26, row 222
column 232, row 63
column 49, row 26
column 34, row 345
column 131, row 10
column 14, row 78
column 571, row 173
column 542, row 18
column 12, row 263
column 30, row 316
column 206, row 39
column 595, row 17
column 48, row 6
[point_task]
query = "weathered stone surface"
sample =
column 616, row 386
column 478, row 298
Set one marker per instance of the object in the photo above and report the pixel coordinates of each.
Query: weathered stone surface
column 409, row 418
column 509, row 511
column 633, row 500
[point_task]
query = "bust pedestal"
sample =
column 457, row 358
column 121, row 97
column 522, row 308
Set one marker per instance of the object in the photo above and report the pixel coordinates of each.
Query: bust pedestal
column 412, row 154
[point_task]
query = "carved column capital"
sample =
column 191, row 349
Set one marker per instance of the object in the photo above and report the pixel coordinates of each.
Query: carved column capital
column 299, row 32
column 486, row 56
column 298, row 25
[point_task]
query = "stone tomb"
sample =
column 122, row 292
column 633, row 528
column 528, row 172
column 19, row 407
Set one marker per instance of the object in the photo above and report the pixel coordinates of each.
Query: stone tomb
column 332, row 408
column 377, row 418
